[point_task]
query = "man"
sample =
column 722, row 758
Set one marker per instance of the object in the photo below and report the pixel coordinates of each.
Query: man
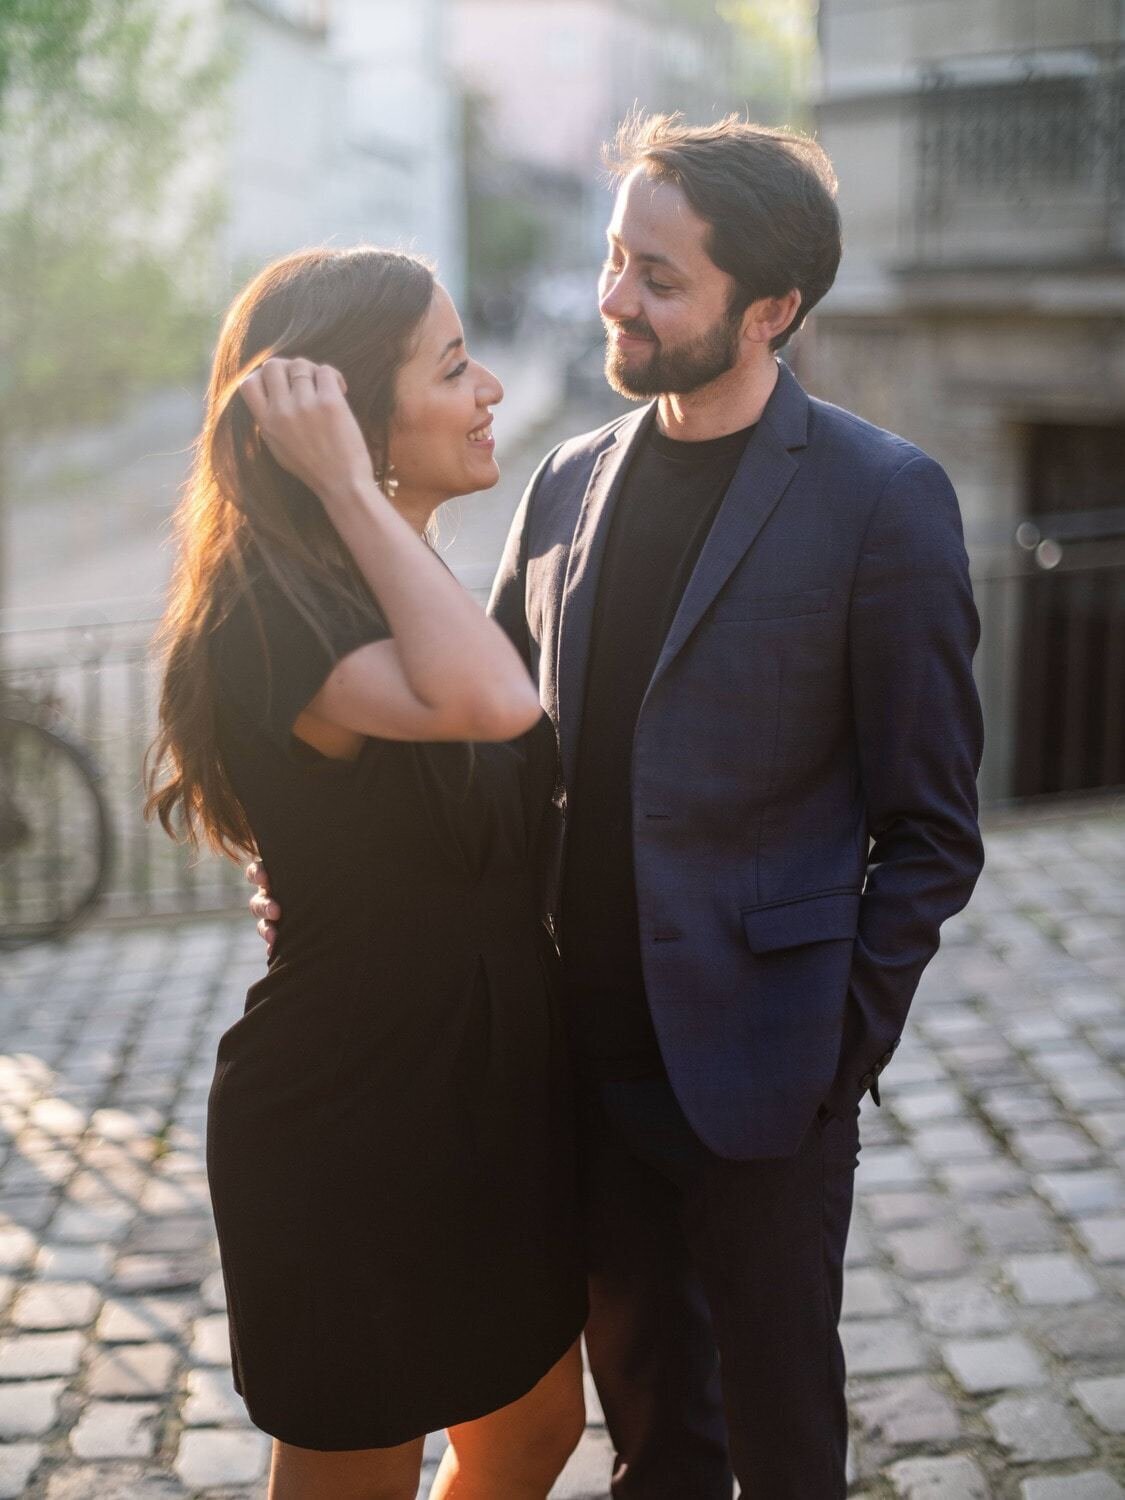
column 749, row 614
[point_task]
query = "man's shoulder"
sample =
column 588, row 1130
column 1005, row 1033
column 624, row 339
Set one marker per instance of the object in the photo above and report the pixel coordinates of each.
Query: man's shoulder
column 873, row 454
column 582, row 451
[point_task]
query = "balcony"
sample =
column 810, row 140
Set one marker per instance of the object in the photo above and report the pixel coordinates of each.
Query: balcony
column 1023, row 169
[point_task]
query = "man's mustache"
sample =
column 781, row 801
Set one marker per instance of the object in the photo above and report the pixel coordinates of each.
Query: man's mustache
column 637, row 328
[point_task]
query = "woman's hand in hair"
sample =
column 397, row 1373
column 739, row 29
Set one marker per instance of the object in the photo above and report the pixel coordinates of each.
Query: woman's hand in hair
column 303, row 415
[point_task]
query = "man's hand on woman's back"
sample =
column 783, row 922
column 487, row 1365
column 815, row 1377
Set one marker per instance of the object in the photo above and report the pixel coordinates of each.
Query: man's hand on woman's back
column 262, row 904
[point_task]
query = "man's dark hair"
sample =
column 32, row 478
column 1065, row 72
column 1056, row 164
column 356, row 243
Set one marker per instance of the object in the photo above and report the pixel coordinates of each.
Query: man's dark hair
column 768, row 195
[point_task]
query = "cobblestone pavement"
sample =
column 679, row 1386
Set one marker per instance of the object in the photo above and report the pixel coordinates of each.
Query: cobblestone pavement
column 984, row 1317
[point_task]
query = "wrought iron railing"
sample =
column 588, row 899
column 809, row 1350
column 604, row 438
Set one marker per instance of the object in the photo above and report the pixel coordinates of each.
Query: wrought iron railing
column 1022, row 161
column 103, row 676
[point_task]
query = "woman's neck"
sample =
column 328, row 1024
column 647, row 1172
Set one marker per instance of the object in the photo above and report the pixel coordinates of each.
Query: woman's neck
column 417, row 510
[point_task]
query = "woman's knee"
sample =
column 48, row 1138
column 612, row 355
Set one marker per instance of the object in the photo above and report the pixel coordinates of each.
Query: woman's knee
column 365, row 1474
column 528, row 1443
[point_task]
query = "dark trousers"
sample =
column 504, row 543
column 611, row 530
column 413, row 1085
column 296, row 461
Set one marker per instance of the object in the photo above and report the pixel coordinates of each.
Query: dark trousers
column 715, row 1290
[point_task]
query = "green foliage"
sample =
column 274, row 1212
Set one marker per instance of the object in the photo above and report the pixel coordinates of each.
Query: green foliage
column 107, row 215
column 776, row 57
column 505, row 233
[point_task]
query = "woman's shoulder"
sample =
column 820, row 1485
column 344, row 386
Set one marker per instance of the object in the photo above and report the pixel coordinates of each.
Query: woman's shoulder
column 266, row 617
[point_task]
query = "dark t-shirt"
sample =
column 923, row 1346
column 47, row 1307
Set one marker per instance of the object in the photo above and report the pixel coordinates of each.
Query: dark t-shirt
column 667, row 504
column 272, row 661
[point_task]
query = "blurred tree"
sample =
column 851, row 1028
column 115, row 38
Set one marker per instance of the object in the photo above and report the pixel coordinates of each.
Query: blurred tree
column 771, row 67
column 505, row 231
column 107, row 214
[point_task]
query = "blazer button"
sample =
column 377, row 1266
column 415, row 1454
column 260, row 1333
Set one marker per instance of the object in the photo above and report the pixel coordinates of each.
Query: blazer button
column 866, row 1081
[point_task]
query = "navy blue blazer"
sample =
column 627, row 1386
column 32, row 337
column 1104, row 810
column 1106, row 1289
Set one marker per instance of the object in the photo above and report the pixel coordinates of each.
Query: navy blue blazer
column 805, row 759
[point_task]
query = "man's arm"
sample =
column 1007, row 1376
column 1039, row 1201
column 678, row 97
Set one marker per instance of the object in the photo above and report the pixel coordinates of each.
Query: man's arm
column 913, row 631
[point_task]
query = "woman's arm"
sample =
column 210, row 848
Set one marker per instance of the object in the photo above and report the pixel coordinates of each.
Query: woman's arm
column 449, row 673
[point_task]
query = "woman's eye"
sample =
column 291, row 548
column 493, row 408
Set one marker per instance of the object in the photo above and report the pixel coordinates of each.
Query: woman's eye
column 460, row 370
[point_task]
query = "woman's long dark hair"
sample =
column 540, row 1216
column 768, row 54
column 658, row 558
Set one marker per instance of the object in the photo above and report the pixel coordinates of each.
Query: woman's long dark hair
column 241, row 512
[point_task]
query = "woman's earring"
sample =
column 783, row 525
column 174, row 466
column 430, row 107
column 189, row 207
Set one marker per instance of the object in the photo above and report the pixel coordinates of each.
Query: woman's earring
column 390, row 482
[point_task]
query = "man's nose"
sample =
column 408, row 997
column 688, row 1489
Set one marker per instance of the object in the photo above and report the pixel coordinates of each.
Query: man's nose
column 617, row 301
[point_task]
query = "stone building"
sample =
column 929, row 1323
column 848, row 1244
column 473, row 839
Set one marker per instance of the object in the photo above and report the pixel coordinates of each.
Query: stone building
column 980, row 311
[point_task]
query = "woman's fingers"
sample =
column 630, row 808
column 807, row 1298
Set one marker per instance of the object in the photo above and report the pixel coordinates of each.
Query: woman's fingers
column 302, row 381
column 265, row 909
column 275, row 378
column 254, row 394
column 278, row 381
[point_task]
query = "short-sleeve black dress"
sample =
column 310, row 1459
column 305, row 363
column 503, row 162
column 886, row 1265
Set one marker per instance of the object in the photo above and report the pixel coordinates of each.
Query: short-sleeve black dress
column 389, row 1139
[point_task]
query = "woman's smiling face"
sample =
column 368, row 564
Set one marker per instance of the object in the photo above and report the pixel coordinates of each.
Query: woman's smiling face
column 441, row 442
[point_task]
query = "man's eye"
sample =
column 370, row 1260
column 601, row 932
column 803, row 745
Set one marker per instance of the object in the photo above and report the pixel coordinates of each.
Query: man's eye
column 460, row 370
column 657, row 286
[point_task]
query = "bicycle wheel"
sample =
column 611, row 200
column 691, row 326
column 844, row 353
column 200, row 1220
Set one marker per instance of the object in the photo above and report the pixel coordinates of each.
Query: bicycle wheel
column 55, row 833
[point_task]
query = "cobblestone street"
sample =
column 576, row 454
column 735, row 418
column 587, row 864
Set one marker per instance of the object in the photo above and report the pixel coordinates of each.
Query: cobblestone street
column 985, row 1306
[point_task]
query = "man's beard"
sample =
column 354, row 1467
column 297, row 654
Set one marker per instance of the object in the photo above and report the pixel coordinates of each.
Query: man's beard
column 675, row 371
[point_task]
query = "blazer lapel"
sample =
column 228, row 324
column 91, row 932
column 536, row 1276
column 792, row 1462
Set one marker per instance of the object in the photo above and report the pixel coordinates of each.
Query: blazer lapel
column 580, row 587
column 759, row 482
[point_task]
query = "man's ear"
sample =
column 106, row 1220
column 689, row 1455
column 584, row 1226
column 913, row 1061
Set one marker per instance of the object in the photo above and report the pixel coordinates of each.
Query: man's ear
column 768, row 317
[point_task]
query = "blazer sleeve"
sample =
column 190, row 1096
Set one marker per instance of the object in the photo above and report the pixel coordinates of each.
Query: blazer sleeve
column 913, row 629
column 507, row 604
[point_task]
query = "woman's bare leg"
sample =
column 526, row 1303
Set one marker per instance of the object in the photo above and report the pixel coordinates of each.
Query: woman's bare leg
column 518, row 1452
column 361, row 1474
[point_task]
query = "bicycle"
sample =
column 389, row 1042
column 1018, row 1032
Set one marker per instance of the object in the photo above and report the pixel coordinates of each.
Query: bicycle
column 56, row 832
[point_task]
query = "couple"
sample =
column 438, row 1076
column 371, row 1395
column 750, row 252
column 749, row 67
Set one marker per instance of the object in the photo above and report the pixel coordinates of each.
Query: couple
column 440, row 1147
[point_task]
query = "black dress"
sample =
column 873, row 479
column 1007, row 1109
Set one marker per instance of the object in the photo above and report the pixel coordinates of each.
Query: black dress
column 389, row 1139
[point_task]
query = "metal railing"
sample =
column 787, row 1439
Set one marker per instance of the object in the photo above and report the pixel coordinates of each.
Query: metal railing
column 1051, row 669
column 1025, row 165
column 1051, row 666
column 105, row 678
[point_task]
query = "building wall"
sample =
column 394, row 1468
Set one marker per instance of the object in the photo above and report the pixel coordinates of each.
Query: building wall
column 343, row 128
column 983, row 284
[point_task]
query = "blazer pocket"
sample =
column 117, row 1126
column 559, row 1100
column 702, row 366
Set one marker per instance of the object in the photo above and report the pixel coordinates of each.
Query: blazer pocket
column 804, row 919
column 773, row 606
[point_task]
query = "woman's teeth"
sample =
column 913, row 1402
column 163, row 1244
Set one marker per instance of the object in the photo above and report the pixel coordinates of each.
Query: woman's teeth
column 482, row 434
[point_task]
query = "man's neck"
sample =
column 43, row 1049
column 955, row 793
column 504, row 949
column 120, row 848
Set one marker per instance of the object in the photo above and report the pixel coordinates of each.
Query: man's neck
column 734, row 401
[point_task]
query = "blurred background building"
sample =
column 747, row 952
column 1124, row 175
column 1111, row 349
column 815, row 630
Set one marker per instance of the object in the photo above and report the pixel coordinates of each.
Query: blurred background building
column 344, row 127
column 980, row 311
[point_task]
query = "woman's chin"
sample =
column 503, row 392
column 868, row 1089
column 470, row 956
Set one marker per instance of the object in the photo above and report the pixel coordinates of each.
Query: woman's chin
column 486, row 475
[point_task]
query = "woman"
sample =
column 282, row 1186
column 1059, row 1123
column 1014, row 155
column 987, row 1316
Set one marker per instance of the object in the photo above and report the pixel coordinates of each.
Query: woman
column 389, row 1145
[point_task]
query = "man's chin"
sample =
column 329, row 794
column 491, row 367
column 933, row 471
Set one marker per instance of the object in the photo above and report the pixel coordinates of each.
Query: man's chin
column 635, row 384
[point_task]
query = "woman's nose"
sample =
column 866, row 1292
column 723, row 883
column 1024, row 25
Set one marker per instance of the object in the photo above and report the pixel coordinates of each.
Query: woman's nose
column 489, row 392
